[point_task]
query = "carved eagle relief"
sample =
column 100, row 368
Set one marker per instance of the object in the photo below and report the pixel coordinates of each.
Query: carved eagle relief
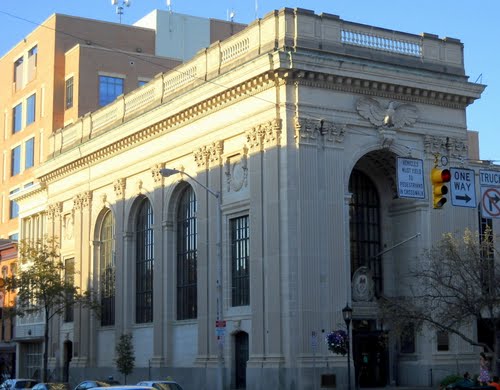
column 394, row 116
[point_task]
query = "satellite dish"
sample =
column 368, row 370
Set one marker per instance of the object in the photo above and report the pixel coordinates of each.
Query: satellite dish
column 127, row 2
column 113, row 2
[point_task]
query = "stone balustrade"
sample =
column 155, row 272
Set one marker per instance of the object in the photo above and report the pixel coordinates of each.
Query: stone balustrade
column 297, row 29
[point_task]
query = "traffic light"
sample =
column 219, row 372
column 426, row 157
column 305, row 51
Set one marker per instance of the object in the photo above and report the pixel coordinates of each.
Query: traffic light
column 438, row 178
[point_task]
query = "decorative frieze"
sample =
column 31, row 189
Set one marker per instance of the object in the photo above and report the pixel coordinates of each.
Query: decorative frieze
column 155, row 172
column 446, row 146
column 266, row 134
column 382, row 89
column 82, row 201
column 209, row 154
column 54, row 211
column 119, row 186
column 318, row 131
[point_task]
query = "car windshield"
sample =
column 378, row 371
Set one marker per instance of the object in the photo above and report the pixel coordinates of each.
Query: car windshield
column 57, row 386
column 167, row 386
column 24, row 384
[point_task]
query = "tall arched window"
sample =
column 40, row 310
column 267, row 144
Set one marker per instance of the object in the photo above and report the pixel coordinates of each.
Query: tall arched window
column 364, row 226
column 186, row 256
column 107, row 268
column 144, row 263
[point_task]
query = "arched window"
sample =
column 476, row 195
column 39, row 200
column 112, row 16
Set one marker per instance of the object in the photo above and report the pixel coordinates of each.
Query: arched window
column 144, row 263
column 107, row 269
column 186, row 256
column 364, row 226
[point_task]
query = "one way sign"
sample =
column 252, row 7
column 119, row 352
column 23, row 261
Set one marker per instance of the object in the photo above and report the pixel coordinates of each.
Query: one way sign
column 463, row 187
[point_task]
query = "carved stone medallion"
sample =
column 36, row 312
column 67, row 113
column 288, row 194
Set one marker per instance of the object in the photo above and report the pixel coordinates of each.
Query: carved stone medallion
column 363, row 288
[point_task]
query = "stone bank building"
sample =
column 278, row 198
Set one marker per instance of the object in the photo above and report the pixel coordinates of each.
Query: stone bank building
column 286, row 136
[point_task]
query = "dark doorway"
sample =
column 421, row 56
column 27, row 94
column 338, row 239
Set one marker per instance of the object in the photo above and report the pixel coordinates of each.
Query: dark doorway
column 371, row 358
column 68, row 355
column 240, row 359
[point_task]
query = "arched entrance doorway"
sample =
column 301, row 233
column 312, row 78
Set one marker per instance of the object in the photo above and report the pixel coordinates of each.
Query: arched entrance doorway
column 68, row 355
column 240, row 360
column 372, row 187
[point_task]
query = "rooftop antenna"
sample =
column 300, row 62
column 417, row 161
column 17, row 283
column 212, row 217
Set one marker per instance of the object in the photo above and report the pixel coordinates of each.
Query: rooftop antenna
column 120, row 4
column 231, row 15
column 169, row 6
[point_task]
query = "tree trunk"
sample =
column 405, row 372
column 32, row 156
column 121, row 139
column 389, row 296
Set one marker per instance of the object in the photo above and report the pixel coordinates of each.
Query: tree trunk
column 45, row 348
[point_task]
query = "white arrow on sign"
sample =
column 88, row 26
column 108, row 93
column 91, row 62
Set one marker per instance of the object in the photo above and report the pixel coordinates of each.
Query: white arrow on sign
column 463, row 187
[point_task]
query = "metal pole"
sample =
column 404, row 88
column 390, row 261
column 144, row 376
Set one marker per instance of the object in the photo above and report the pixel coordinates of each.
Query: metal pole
column 219, row 289
column 349, row 356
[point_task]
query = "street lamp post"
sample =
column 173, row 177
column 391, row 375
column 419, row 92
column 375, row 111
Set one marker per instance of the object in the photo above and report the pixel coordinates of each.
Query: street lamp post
column 347, row 314
column 166, row 172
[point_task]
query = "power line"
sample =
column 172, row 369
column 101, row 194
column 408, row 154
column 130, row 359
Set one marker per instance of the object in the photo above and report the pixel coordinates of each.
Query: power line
column 139, row 58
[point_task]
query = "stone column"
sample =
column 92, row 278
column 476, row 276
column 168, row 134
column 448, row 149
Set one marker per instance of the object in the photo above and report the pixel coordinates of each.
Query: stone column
column 54, row 230
column 271, row 229
column 83, row 242
column 79, row 352
column 159, row 280
column 120, row 241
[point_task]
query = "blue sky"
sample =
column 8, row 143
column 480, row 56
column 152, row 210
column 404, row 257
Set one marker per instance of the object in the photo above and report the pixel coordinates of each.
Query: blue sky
column 476, row 24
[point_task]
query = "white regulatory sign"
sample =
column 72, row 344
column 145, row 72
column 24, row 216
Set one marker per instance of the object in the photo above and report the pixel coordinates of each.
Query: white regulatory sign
column 489, row 181
column 463, row 187
column 410, row 178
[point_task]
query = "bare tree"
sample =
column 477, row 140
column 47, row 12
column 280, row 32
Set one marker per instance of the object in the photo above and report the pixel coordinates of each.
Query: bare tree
column 456, row 283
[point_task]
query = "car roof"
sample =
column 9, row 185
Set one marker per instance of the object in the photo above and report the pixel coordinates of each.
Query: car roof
column 125, row 387
column 158, row 381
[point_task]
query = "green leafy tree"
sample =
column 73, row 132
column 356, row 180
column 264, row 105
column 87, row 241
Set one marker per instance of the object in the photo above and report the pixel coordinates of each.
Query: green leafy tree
column 41, row 286
column 453, row 285
column 125, row 358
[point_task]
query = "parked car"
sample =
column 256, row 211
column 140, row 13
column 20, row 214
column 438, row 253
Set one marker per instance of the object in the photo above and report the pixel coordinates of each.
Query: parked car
column 125, row 387
column 90, row 384
column 162, row 385
column 11, row 384
column 51, row 386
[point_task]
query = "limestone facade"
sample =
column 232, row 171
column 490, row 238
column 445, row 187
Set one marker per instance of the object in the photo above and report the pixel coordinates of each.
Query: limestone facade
column 282, row 120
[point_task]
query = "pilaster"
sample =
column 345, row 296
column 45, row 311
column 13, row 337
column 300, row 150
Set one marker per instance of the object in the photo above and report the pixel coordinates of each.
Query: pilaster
column 119, row 187
column 159, row 277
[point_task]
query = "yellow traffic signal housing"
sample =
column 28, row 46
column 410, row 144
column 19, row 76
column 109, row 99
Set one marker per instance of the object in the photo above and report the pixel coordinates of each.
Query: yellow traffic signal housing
column 439, row 189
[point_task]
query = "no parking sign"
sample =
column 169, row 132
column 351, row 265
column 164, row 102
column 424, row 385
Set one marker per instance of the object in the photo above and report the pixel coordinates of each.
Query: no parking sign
column 490, row 193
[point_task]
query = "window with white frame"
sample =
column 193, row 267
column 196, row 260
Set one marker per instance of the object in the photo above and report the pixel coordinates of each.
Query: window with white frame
column 443, row 340
column 144, row 263
column 17, row 118
column 18, row 73
column 187, row 294
column 107, row 269
column 69, row 278
column 240, row 255
column 13, row 206
column 15, row 161
column 30, row 109
column 109, row 89
column 69, row 93
column 29, row 153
